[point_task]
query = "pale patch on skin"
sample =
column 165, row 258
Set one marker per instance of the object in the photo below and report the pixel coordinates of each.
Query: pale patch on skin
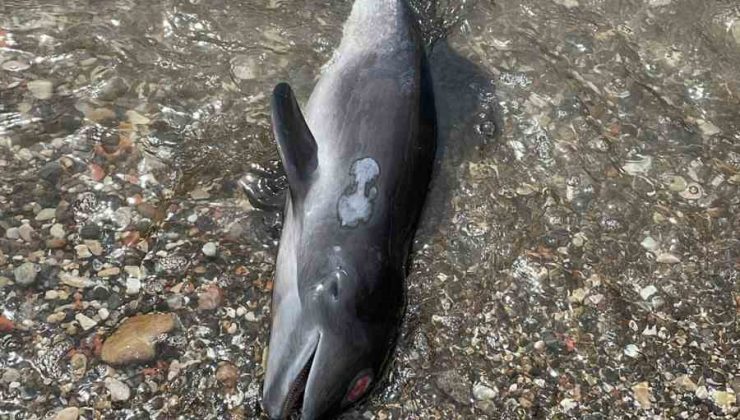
column 355, row 205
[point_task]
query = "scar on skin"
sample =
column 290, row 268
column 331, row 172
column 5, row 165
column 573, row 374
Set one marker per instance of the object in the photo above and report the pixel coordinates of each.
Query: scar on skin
column 355, row 205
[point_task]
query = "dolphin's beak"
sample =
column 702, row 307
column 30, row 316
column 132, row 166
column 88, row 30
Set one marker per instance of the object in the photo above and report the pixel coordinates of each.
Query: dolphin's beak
column 286, row 379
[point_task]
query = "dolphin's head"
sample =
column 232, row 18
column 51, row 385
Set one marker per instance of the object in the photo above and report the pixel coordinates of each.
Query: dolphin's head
column 333, row 328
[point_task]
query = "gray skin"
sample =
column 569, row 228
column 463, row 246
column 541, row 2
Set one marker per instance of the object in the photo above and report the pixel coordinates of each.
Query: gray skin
column 358, row 168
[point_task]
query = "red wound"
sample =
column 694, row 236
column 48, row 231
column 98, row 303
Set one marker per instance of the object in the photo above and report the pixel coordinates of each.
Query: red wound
column 359, row 388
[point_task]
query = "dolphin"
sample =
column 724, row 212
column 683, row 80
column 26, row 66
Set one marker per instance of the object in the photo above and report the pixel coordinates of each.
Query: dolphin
column 358, row 165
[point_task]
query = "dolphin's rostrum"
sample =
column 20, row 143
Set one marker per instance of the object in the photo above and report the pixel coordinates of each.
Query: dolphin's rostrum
column 358, row 166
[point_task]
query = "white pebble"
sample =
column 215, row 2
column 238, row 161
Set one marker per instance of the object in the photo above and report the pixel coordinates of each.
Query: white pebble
column 210, row 249
column 119, row 391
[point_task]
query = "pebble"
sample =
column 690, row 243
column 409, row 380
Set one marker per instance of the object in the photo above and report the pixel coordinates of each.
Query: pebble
column 109, row 272
column 200, row 194
column 69, row 413
column 648, row 291
column 134, row 341
column 12, row 234
column 41, row 89
column 227, row 374
column 85, row 322
column 685, row 384
column 15, row 66
column 83, row 252
column 56, row 317
column 95, row 247
column 90, row 231
column 75, row 281
column 666, row 258
column 51, row 295
column 57, row 231
column 78, row 362
column 26, row 232
column 210, row 297
column 25, row 274
column 133, row 286
column 642, row 394
column 210, row 249
column 103, row 313
column 119, row 391
column 631, row 350
column 46, row 214
column 724, row 399
column 649, row 243
column 484, row 393
column 10, row 375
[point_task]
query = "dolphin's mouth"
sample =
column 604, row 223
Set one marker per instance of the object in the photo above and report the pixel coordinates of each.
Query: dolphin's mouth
column 294, row 399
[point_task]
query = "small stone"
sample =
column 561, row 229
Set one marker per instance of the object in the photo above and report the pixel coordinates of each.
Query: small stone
column 539, row 345
column 85, row 322
column 26, row 232
column 200, row 194
column 578, row 295
column 708, row 129
column 133, row 285
column 12, row 234
column 82, row 252
column 25, row 274
column 25, row 154
column 51, row 295
column 649, row 243
column 569, row 4
column 134, row 341
column 78, row 363
column 227, row 374
column 94, row 247
column 210, row 249
column 109, row 272
column 454, row 386
column 119, row 391
column 75, row 281
column 103, row 314
column 56, row 317
column 667, row 258
column 483, row 393
column 631, row 350
column 15, row 66
column 46, row 214
column 568, row 404
column 685, row 384
column 90, row 231
column 648, row 291
column 41, row 89
column 175, row 302
column 69, row 413
column 10, row 375
column 724, row 399
column 57, row 231
column 643, row 394
column 210, row 298
column 677, row 183
column 701, row 392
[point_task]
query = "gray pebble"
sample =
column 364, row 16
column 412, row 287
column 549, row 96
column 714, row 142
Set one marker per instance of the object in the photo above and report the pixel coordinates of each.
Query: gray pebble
column 25, row 274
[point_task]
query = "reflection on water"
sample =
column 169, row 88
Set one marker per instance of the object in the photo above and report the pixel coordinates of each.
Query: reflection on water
column 578, row 255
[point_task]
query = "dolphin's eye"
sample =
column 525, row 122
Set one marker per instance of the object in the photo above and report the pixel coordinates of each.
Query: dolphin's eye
column 359, row 386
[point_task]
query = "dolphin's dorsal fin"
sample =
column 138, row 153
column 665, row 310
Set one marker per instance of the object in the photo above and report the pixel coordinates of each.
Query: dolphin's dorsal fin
column 296, row 144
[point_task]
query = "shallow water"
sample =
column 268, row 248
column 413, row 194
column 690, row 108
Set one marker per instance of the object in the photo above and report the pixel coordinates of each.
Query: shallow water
column 578, row 256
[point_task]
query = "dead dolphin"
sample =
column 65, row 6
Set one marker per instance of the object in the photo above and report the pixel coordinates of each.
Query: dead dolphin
column 358, row 168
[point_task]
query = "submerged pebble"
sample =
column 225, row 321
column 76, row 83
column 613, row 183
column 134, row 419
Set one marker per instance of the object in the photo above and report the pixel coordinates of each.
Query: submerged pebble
column 134, row 341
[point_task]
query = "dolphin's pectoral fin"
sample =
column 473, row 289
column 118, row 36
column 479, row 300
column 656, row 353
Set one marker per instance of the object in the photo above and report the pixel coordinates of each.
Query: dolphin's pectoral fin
column 296, row 144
